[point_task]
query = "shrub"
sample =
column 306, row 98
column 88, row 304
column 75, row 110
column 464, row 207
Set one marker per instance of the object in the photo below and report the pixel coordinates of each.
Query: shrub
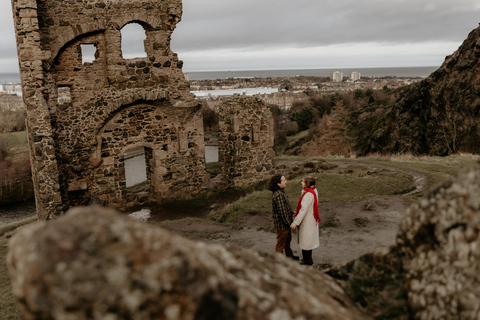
column 7, row 144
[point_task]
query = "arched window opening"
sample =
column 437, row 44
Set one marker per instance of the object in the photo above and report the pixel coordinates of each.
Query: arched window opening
column 136, row 172
column 133, row 37
column 89, row 51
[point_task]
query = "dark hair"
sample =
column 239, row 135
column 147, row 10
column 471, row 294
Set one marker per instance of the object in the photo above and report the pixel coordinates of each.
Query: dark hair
column 309, row 181
column 274, row 181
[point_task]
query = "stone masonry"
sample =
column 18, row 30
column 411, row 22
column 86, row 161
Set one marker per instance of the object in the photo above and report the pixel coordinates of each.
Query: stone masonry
column 83, row 116
column 284, row 100
column 245, row 142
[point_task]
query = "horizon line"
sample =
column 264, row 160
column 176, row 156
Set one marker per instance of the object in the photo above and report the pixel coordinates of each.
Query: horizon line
column 329, row 68
column 274, row 69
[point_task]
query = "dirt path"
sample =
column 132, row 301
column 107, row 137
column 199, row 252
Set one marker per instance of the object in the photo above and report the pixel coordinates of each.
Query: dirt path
column 359, row 230
column 339, row 244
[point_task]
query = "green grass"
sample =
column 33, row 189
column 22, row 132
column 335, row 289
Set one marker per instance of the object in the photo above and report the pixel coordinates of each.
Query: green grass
column 332, row 187
column 21, row 145
column 335, row 187
column 252, row 203
column 353, row 183
column 7, row 300
column 15, row 225
column 20, row 135
column 8, row 304
column 437, row 169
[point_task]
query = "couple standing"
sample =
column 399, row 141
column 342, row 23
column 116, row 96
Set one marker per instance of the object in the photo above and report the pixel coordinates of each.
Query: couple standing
column 305, row 218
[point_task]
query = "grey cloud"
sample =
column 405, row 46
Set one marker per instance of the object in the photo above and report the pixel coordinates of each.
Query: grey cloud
column 244, row 25
column 238, row 24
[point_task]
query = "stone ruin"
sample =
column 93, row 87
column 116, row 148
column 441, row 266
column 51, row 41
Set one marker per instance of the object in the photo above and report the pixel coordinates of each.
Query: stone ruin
column 84, row 115
column 245, row 140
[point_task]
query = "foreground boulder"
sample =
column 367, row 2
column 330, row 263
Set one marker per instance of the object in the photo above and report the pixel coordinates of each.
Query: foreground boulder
column 439, row 241
column 433, row 272
column 95, row 264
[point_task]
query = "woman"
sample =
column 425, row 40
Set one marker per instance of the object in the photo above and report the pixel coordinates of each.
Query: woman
column 307, row 219
column 282, row 215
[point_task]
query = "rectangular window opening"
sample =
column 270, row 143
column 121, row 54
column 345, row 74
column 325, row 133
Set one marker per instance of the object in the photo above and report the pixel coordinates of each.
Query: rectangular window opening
column 64, row 95
column 89, row 51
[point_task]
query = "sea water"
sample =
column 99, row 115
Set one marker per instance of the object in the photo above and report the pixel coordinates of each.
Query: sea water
column 212, row 75
column 365, row 72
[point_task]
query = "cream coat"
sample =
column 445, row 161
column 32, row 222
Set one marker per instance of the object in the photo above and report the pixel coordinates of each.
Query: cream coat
column 308, row 232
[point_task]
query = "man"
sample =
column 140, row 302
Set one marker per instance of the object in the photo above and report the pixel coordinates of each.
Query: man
column 282, row 214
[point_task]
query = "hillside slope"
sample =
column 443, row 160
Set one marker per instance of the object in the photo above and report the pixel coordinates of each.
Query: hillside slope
column 439, row 115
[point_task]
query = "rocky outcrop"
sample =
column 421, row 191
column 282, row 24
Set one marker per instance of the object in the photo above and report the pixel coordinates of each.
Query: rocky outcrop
column 440, row 247
column 439, row 115
column 376, row 282
column 93, row 263
column 433, row 271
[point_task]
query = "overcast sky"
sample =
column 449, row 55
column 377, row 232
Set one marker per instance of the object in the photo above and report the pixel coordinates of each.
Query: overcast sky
column 304, row 34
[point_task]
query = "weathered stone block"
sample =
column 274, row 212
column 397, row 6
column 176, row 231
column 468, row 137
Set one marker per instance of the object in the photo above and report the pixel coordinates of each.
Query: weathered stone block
column 241, row 150
column 102, row 265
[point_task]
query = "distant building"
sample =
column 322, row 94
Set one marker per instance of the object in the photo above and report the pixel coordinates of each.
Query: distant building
column 232, row 92
column 354, row 76
column 12, row 88
column 337, row 76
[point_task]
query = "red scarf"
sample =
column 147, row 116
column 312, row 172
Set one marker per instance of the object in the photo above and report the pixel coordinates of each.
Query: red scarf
column 315, row 205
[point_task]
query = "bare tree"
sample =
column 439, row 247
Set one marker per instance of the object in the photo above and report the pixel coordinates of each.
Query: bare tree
column 12, row 114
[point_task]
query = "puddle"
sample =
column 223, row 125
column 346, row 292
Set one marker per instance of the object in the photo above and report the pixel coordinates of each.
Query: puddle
column 142, row 215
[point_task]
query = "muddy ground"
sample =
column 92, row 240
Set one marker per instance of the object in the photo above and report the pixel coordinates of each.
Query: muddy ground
column 354, row 231
column 10, row 213
column 357, row 231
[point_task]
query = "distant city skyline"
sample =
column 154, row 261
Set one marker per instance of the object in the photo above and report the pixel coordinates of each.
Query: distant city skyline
column 304, row 34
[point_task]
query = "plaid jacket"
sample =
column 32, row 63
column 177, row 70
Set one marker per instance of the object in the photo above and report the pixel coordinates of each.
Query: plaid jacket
column 282, row 211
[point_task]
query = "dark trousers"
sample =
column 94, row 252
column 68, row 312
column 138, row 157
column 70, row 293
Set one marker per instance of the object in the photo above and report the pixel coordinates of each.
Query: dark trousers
column 284, row 237
column 307, row 255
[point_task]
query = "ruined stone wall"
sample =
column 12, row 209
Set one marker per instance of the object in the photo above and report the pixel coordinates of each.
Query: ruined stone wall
column 245, row 142
column 82, row 117
column 284, row 100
